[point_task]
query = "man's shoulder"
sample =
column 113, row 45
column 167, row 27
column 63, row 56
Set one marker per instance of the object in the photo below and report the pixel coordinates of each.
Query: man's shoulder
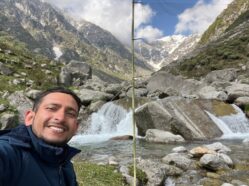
column 15, row 137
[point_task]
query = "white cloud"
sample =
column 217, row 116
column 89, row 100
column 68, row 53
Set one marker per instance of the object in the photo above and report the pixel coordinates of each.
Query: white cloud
column 198, row 18
column 149, row 33
column 111, row 15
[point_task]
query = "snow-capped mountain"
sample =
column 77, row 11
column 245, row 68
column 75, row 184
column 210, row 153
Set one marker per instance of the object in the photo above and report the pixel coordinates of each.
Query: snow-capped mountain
column 163, row 51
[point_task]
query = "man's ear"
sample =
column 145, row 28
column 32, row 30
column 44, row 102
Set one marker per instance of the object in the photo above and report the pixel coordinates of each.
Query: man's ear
column 29, row 116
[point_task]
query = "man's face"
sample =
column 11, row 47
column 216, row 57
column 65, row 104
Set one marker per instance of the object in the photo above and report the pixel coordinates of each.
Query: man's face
column 55, row 120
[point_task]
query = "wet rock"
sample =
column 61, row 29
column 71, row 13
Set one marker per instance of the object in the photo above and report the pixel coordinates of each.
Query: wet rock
column 95, row 106
column 188, row 178
column 242, row 101
column 237, row 90
column 200, row 151
column 124, row 137
column 179, row 149
column 227, row 184
column 156, row 171
column 160, row 136
column 179, row 160
column 218, row 147
column 213, row 162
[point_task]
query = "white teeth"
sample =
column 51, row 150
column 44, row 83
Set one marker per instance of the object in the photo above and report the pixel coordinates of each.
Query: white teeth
column 57, row 129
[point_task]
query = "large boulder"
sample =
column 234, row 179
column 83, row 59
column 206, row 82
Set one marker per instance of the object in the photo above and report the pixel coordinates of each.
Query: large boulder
column 179, row 116
column 237, row 90
column 88, row 96
column 225, row 75
column 75, row 73
column 210, row 92
column 163, row 81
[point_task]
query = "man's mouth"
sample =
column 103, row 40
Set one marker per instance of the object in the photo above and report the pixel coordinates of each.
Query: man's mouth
column 57, row 129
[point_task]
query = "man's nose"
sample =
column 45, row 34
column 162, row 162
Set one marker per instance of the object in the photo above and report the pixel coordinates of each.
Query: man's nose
column 60, row 115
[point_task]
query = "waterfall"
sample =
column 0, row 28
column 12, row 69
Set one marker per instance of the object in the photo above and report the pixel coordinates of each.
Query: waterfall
column 110, row 120
column 234, row 125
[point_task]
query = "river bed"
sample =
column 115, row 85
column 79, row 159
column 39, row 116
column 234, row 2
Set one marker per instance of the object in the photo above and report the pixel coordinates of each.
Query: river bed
column 122, row 150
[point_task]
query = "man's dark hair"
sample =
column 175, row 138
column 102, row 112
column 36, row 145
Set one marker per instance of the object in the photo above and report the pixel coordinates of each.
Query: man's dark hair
column 64, row 90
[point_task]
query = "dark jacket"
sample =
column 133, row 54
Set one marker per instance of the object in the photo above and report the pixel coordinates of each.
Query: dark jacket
column 26, row 160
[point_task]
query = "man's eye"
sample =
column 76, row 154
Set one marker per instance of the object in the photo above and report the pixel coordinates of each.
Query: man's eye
column 72, row 114
column 51, row 108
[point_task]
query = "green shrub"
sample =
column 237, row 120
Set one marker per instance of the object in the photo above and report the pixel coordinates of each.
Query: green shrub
column 141, row 175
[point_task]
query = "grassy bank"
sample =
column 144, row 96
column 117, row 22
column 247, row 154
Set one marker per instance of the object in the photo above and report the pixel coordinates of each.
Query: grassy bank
column 89, row 174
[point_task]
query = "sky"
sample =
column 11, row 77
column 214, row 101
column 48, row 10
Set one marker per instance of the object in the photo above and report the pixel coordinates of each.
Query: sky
column 154, row 19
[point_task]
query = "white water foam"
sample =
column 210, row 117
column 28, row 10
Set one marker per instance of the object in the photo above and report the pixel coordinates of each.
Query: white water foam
column 111, row 120
column 234, row 125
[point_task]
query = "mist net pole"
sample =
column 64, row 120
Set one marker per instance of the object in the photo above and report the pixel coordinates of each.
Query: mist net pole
column 133, row 94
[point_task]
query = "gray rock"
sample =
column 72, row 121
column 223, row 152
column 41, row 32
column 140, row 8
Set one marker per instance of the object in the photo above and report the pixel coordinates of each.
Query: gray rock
column 182, row 116
column 218, row 147
column 21, row 103
column 179, row 149
column 159, row 136
column 4, row 70
column 87, row 96
column 156, row 171
column 226, row 75
column 209, row 92
column 242, row 101
column 227, row 184
column 141, row 92
column 2, row 107
column 32, row 94
column 114, row 89
column 237, row 90
column 213, row 162
column 177, row 159
column 95, row 106
column 163, row 80
column 75, row 73
column 8, row 121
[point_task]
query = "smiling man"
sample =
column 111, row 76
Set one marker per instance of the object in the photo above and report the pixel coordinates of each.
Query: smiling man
column 37, row 153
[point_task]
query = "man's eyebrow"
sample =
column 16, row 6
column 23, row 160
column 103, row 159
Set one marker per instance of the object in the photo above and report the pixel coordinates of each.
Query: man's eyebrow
column 59, row 105
column 71, row 108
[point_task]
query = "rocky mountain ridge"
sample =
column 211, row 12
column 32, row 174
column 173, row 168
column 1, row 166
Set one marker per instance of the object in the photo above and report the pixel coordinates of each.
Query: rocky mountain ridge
column 44, row 30
column 224, row 20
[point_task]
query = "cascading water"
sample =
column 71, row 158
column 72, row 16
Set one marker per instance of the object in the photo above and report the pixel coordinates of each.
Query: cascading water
column 111, row 120
column 234, row 125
